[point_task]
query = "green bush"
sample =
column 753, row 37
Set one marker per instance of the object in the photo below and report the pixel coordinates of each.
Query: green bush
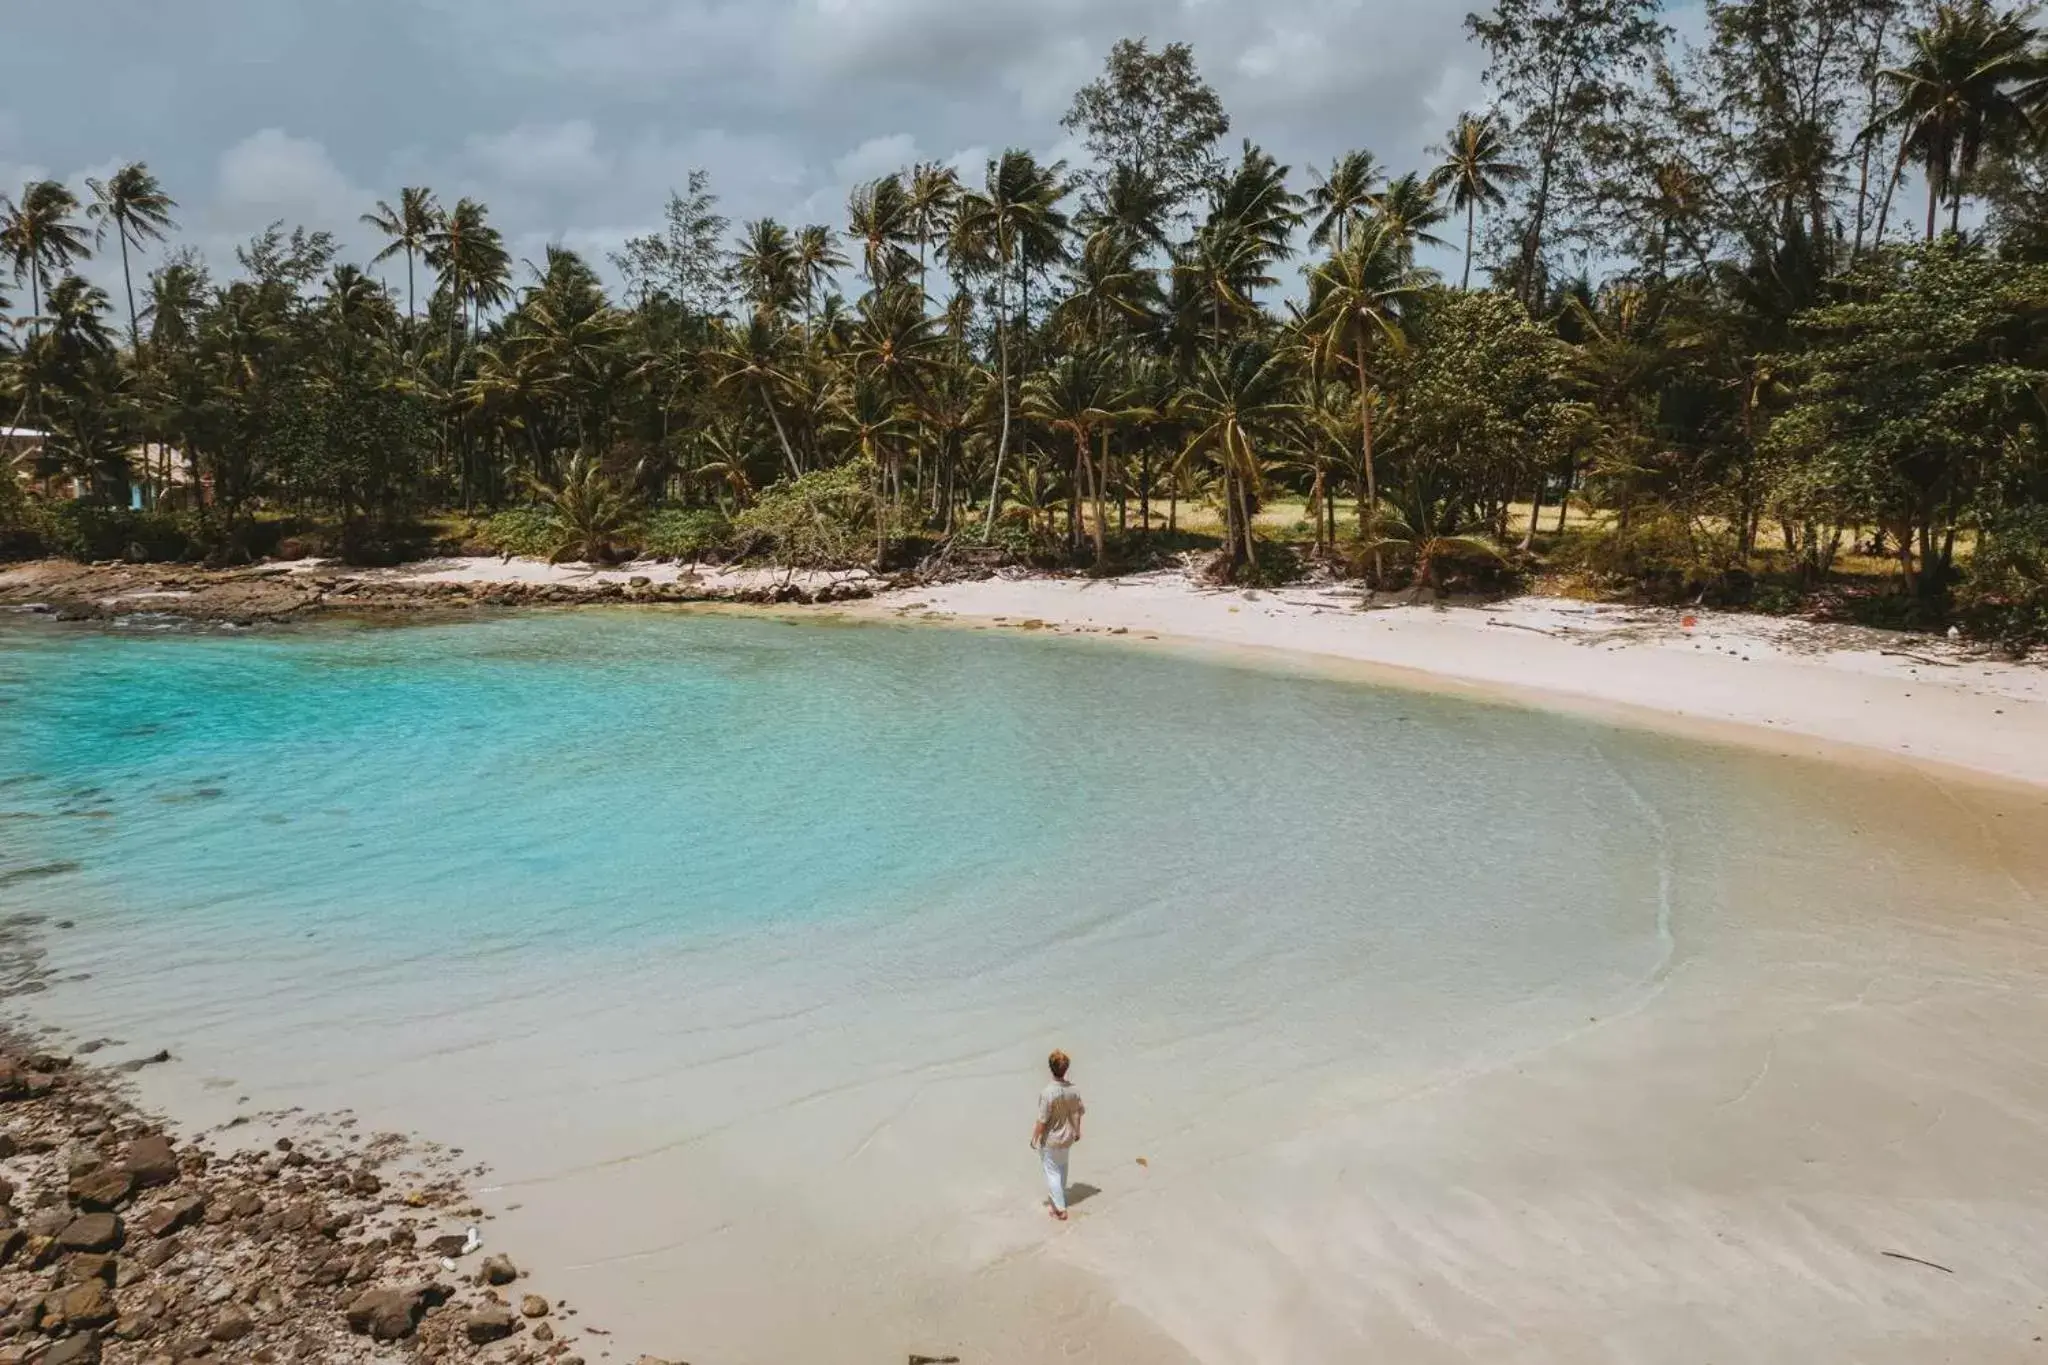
column 532, row 532
column 824, row 520
column 673, row 533
column 2005, row 597
column 1663, row 554
column 85, row 531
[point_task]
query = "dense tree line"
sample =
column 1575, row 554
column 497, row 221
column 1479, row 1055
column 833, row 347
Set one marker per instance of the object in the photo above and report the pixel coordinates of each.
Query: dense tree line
column 1751, row 302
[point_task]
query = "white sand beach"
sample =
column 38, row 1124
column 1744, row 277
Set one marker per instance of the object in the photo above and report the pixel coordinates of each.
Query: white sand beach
column 1907, row 695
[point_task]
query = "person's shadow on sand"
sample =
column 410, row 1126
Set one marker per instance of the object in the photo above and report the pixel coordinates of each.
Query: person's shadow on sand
column 1079, row 1193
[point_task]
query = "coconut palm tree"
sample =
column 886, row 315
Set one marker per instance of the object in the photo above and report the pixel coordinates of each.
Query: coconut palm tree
column 409, row 228
column 932, row 200
column 1965, row 91
column 474, row 266
column 1240, row 396
column 134, row 204
column 1475, row 172
column 813, row 257
column 751, row 359
column 38, row 236
column 767, row 268
column 1406, row 210
column 1082, row 393
column 880, row 218
column 1341, row 197
column 1135, row 209
column 1355, row 304
column 1013, row 224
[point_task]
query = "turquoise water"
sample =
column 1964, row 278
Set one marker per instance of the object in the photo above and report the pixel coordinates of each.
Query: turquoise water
column 628, row 782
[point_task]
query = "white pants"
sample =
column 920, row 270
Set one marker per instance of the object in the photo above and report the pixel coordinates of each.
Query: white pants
column 1054, row 1159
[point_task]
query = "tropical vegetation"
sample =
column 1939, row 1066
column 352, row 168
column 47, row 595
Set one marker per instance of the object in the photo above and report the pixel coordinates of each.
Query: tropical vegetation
column 1686, row 340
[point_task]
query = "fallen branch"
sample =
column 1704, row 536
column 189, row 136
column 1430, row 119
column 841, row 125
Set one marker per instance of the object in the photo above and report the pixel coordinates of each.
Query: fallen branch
column 1902, row 1256
column 1516, row 625
column 1920, row 658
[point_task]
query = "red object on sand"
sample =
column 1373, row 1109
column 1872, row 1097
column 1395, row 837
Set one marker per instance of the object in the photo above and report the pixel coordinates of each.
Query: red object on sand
column 1690, row 621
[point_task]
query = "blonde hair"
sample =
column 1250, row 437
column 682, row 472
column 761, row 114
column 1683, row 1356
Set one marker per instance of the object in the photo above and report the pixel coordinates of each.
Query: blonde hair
column 1059, row 1062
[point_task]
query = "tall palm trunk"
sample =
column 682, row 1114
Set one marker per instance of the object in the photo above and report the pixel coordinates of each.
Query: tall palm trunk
column 1471, row 220
column 995, row 483
column 1369, row 506
column 788, row 454
column 128, row 283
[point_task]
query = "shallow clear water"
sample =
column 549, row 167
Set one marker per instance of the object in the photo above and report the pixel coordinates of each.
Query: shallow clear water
column 353, row 806
column 763, row 903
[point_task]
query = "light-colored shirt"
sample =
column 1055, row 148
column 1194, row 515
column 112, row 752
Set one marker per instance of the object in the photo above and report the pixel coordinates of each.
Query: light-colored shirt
column 1060, row 1110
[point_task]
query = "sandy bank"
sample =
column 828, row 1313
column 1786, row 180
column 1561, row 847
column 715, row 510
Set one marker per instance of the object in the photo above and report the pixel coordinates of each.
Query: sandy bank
column 1906, row 695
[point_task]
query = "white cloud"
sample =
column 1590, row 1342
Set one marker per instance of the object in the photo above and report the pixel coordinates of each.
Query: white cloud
column 876, row 157
column 273, row 173
column 551, row 155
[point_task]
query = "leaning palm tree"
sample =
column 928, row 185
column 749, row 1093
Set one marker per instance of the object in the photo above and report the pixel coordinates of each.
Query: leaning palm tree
column 1354, row 308
column 1475, row 171
column 409, row 228
column 38, row 236
column 1239, row 396
column 1966, row 90
column 1340, row 198
column 134, row 204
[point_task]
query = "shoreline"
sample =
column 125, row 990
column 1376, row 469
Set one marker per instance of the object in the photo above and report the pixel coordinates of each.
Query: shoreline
column 1785, row 686
column 1782, row 684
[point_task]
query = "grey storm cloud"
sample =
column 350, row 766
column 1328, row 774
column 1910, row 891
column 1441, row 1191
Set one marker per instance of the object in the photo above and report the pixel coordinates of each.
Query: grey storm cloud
column 572, row 120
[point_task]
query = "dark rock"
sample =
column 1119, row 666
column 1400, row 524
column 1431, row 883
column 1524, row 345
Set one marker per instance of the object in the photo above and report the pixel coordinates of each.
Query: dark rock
column 82, row 1305
column 364, row 1183
column 449, row 1245
column 151, row 1161
column 92, row 1232
column 94, row 1266
column 233, row 1324
column 18, row 1082
column 533, row 1306
column 486, row 1325
column 83, row 1349
column 157, row 1058
column 497, row 1270
column 165, row 1219
column 387, row 1314
column 102, row 1190
column 247, row 1204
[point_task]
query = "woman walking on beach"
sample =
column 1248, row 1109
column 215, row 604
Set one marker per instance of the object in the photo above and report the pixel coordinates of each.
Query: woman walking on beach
column 1058, row 1128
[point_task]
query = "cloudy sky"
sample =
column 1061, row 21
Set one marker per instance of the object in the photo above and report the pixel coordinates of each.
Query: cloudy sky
column 573, row 118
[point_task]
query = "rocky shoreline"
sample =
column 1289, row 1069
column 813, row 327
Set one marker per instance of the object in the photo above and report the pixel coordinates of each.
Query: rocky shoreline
column 119, row 1244
column 279, row 593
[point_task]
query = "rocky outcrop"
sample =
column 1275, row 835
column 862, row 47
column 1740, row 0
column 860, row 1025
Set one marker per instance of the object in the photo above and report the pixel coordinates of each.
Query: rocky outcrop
column 118, row 1244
